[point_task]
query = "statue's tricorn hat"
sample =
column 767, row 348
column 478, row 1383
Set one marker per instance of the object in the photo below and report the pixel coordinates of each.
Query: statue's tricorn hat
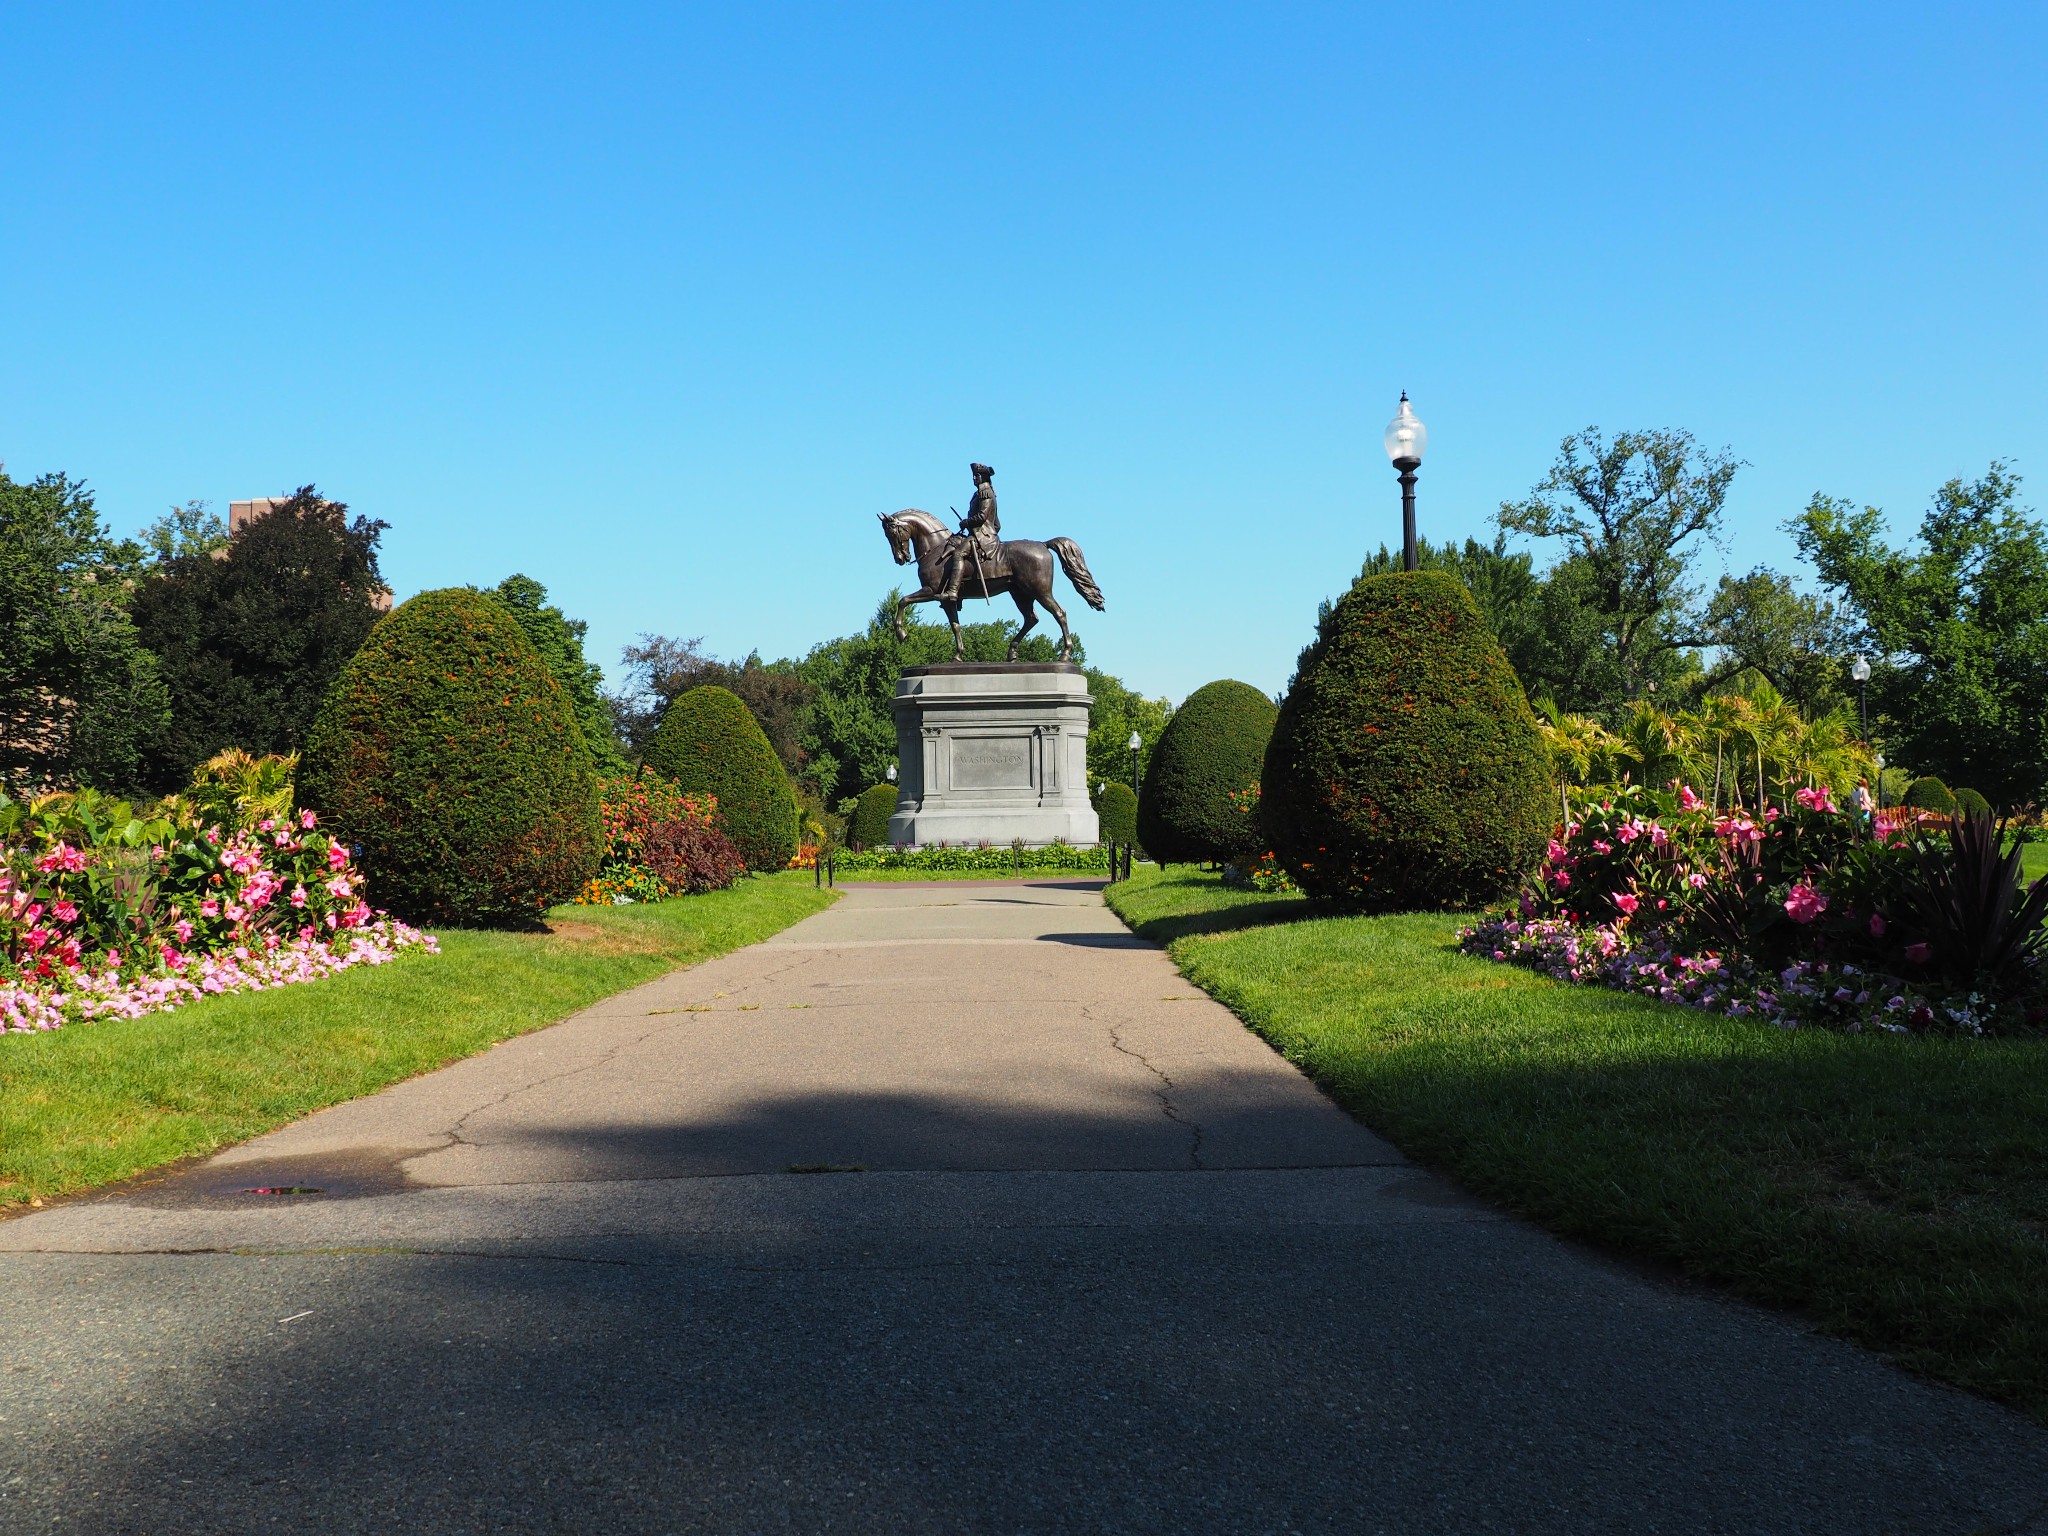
column 982, row 471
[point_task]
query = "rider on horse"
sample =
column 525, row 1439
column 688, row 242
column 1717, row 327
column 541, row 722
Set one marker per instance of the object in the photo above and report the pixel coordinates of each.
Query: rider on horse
column 985, row 532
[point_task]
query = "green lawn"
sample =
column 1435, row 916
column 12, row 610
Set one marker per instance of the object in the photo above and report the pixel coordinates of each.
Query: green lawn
column 2034, row 859
column 92, row 1103
column 1892, row 1190
column 865, row 876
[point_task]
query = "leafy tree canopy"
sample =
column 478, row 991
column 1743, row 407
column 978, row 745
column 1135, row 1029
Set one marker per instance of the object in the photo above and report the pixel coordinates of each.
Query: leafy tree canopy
column 661, row 670
column 183, row 531
column 1632, row 515
column 251, row 637
column 1957, row 628
column 80, row 697
column 559, row 639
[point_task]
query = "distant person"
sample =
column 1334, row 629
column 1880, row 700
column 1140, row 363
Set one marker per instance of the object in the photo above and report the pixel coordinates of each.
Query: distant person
column 1866, row 808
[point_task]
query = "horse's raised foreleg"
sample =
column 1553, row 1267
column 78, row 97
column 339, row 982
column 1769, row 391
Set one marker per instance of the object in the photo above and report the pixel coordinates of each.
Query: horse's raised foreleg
column 1023, row 601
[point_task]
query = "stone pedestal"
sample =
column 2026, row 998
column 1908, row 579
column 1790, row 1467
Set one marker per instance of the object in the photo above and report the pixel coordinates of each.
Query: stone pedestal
column 992, row 752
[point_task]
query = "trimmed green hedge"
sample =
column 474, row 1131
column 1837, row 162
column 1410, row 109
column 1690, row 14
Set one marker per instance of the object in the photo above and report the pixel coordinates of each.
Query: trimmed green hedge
column 1930, row 794
column 868, row 826
column 710, row 743
column 1406, row 770
column 1116, row 808
column 1210, row 750
column 447, row 752
column 1970, row 803
column 1063, row 857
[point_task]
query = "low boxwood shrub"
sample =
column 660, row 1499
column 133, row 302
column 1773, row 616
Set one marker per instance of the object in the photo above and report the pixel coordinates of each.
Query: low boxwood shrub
column 449, row 754
column 1970, row 803
column 1116, row 810
column 939, row 858
column 1209, row 752
column 1930, row 794
column 1405, row 770
column 869, row 825
column 710, row 743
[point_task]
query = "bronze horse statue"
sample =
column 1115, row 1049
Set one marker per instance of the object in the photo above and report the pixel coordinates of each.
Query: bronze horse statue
column 1023, row 569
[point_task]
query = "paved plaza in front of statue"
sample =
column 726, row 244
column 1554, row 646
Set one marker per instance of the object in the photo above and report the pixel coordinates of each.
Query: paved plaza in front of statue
column 1112, row 1265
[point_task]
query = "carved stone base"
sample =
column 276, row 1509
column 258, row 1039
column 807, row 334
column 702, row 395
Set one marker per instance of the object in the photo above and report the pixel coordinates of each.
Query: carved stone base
column 992, row 752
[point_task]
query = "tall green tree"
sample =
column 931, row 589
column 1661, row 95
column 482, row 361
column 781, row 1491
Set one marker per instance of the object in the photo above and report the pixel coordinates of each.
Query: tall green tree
column 661, row 670
column 559, row 639
column 187, row 530
column 80, row 696
column 250, row 637
column 1798, row 642
column 1958, row 627
column 1632, row 515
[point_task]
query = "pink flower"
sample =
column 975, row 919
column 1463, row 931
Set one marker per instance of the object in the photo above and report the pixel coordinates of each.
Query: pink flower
column 62, row 859
column 1919, row 954
column 298, row 895
column 35, row 939
column 1803, row 903
column 209, row 908
column 1601, row 845
column 267, row 824
column 338, row 886
column 65, row 912
column 1628, row 832
column 337, row 856
column 1697, row 881
column 1816, row 799
column 308, row 820
column 1687, row 800
column 1562, row 880
column 1659, row 838
column 183, row 929
column 1626, row 902
column 68, row 951
column 1877, row 925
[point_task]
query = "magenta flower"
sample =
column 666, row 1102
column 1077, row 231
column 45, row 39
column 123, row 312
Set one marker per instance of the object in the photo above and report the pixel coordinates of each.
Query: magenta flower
column 1803, row 903
column 1877, row 925
column 1919, row 954
column 1627, row 903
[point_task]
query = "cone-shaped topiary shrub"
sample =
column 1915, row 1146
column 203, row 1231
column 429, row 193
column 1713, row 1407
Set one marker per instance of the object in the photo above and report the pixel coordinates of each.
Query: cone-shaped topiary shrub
column 1210, row 750
column 710, row 742
column 1405, row 770
column 1930, row 794
column 1970, row 803
column 869, row 825
column 449, row 754
column 1116, row 807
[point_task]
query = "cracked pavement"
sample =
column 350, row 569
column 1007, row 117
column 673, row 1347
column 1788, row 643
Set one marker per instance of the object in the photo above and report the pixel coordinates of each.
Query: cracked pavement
column 1110, row 1264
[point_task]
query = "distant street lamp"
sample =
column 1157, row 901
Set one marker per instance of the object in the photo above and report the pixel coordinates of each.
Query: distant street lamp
column 1861, row 672
column 1877, row 762
column 891, row 771
column 1137, row 741
column 1406, row 438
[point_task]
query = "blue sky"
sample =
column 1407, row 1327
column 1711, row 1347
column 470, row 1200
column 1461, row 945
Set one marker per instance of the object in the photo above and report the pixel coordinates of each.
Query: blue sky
column 661, row 305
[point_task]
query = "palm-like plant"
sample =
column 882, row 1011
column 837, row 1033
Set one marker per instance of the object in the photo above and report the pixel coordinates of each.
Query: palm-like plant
column 1649, row 743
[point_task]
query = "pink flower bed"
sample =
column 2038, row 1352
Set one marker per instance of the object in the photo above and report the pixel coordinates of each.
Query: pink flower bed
column 107, row 915
column 1803, row 916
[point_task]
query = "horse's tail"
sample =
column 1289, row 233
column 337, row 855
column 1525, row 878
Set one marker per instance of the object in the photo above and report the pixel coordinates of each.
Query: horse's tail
column 1077, row 571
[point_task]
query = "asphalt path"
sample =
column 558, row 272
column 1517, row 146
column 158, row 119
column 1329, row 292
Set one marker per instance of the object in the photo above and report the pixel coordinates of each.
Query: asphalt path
column 950, row 1209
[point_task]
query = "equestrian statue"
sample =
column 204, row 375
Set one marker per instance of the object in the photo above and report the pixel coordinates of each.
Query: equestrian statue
column 980, row 562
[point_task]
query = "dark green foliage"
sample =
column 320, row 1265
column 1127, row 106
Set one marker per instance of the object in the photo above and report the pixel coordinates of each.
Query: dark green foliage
column 709, row 743
column 250, row 642
column 662, row 670
column 1957, row 628
column 1406, row 770
column 1116, row 807
column 80, row 698
column 1210, row 750
column 869, row 826
column 559, row 639
column 1970, row 803
column 1983, row 927
column 449, row 754
column 1114, row 711
column 1930, row 794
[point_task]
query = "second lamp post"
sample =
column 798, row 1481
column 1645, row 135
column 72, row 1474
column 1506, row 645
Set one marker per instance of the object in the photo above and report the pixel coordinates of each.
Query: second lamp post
column 1405, row 440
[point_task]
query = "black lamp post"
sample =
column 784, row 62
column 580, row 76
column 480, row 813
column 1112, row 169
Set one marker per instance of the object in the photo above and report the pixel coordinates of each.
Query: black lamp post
column 1406, row 438
column 1861, row 672
column 1137, row 741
